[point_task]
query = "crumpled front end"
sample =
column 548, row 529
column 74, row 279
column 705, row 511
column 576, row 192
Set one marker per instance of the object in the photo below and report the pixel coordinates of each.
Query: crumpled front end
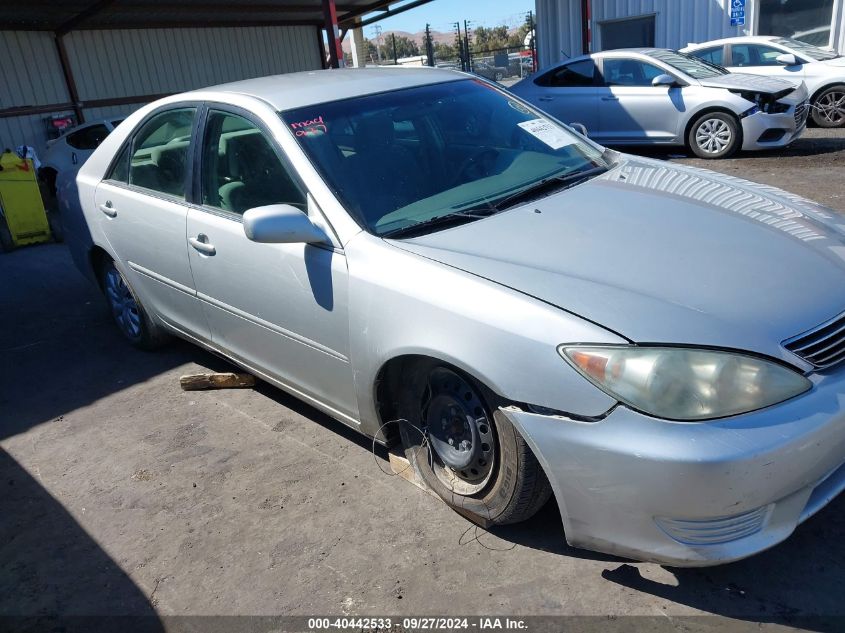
column 775, row 120
column 693, row 494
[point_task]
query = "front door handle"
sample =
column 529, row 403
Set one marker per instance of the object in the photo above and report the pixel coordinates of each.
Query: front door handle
column 200, row 242
column 610, row 98
column 108, row 209
column 546, row 99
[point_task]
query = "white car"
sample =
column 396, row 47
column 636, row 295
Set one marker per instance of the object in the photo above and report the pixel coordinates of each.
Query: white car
column 823, row 71
column 72, row 149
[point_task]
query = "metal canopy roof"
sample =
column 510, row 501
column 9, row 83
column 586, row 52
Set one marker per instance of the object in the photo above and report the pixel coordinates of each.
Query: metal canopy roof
column 68, row 15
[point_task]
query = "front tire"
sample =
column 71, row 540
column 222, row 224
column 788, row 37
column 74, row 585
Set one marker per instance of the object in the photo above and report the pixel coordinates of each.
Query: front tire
column 714, row 135
column 127, row 312
column 476, row 462
column 828, row 108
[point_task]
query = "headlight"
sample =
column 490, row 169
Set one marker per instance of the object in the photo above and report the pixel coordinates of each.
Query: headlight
column 676, row 383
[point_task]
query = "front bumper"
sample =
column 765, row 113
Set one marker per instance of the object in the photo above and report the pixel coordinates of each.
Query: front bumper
column 693, row 494
column 770, row 131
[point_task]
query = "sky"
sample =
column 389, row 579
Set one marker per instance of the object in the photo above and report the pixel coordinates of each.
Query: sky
column 441, row 14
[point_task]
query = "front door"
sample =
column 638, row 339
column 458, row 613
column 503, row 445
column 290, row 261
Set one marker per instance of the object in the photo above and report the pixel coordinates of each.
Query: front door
column 761, row 59
column 143, row 213
column 631, row 110
column 280, row 308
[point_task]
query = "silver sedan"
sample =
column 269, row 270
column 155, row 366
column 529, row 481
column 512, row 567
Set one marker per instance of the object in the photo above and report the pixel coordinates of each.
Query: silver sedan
column 433, row 261
column 657, row 96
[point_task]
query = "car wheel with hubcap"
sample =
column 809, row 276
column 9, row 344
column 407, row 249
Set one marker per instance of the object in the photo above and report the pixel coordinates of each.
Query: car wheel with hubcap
column 474, row 461
column 828, row 110
column 127, row 311
column 714, row 135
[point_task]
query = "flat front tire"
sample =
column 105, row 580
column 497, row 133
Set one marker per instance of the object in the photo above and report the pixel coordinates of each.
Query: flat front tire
column 127, row 312
column 475, row 461
column 714, row 135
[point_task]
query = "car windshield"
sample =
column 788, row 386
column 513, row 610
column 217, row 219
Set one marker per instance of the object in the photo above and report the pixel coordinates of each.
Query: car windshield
column 814, row 52
column 460, row 148
column 689, row 65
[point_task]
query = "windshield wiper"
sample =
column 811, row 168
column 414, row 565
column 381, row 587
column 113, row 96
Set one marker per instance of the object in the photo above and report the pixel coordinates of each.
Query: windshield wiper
column 562, row 181
column 438, row 221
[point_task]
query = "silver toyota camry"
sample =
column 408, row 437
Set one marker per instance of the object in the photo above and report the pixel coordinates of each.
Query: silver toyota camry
column 657, row 96
column 433, row 261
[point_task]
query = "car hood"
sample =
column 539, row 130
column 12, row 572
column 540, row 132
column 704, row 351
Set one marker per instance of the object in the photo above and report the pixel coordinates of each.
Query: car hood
column 839, row 62
column 665, row 254
column 757, row 83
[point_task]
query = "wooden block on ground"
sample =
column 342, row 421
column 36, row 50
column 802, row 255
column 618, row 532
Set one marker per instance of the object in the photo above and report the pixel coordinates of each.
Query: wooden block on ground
column 215, row 380
column 400, row 465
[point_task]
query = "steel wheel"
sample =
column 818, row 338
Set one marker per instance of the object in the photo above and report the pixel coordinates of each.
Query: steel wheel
column 123, row 306
column 829, row 109
column 463, row 451
column 713, row 136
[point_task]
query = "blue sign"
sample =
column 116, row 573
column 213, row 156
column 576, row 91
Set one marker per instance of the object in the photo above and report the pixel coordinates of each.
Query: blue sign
column 737, row 12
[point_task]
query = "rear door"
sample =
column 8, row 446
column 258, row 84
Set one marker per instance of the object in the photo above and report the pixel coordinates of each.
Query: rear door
column 568, row 93
column 631, row 110
column 280, row 308
column 143, row 213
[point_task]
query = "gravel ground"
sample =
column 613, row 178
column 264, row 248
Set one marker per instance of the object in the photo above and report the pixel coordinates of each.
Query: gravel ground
column 123, row 495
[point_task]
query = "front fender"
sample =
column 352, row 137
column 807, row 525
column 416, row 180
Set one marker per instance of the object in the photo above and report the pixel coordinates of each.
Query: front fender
column 402, row 303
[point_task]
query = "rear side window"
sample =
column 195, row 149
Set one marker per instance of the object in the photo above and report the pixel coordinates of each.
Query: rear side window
column 713, row 55
column 571, row 75
column 240, row 169
column 159, row 158
column 88, row 138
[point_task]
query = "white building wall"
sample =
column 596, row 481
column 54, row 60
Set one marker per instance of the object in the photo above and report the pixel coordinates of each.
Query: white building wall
column 109, row 64
column 677, row 23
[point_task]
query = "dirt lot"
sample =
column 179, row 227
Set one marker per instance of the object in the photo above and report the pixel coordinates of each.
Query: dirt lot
column 121, row 494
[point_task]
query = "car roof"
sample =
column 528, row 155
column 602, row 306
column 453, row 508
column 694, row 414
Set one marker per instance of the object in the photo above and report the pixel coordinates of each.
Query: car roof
column 728, row 40
column 295, row 90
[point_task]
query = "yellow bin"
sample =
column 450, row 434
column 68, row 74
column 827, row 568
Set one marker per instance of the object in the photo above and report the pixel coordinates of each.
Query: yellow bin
column 20, row 201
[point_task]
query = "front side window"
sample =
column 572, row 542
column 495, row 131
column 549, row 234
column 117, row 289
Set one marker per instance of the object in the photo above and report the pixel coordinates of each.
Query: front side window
column 629, row 72
column 407, row 158
column 159, row 158
column 575, row 75
column 711, row 55
column 754, row 55
column 240, row 170
column 88, row 138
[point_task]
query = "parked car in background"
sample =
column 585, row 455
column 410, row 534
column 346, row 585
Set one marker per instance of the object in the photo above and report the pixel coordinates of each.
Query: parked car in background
column 657, row 96
column 823, row 71
column 72, row 148
column 429, row 259
column 490, row 71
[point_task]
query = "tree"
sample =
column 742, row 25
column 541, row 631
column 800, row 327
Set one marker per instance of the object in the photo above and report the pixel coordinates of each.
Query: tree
column 445, row 52
column 405, row 47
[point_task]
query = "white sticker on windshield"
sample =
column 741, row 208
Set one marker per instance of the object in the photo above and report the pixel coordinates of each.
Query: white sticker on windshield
column 547, row 132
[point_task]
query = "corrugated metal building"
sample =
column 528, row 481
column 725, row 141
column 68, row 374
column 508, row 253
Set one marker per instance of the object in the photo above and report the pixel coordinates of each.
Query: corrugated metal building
column 102, row 58
column 563, row 31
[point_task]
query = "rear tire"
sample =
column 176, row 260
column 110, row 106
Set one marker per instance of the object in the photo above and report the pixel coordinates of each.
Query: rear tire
column 828, row 108
column 489, row 472
column 714, row 135
column 128, row 313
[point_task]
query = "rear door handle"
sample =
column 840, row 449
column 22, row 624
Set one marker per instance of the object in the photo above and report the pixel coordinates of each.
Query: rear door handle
column 610, row 98
column 108, row 209
column 200, row 242
column 546, row 99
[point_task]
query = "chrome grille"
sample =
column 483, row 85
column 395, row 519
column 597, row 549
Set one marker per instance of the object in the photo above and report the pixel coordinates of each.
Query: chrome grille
column 801, row 112
column 823, row 346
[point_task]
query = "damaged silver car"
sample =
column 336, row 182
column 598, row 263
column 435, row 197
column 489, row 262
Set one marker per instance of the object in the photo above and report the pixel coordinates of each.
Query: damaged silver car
column 433, row 261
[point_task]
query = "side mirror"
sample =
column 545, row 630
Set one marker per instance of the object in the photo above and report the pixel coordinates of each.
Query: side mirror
column 281, row 224
column 580, row 128
column 787, row 59
column 664, row 80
